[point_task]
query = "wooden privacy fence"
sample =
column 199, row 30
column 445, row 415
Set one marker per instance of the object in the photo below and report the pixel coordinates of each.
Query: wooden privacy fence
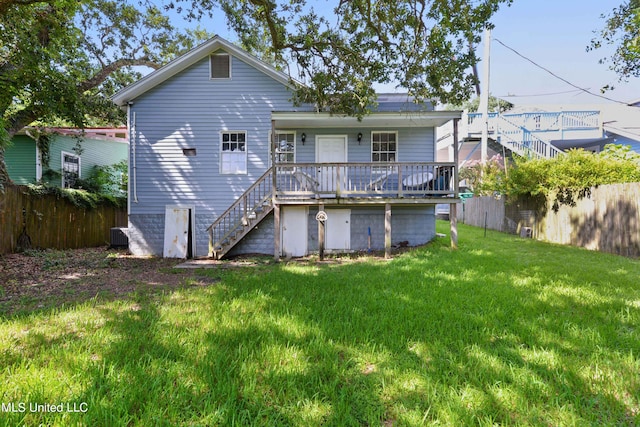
column 53, row 223
column 607, row 221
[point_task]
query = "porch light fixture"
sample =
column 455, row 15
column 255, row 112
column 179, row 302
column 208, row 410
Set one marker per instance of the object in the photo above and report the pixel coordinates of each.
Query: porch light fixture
column 303, row 137
column 359, row 137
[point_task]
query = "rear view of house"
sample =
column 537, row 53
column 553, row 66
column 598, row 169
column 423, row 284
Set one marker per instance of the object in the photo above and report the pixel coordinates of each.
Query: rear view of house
column 222, row 163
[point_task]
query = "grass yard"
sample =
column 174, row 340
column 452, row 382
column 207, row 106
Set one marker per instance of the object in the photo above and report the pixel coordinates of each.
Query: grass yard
column 504, row 331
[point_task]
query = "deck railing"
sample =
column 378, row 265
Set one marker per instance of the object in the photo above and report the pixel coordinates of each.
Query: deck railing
column 542, row 121
column 365, row 180
column 530, row 134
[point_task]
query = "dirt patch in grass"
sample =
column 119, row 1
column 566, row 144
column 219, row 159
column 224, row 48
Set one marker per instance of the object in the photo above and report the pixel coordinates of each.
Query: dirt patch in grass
column 43, row 279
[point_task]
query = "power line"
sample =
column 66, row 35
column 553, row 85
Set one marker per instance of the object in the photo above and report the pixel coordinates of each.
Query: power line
column 557, row 76
column 541, row 94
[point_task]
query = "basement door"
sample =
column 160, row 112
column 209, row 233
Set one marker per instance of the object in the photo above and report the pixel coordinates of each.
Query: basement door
column 178, row 232
column 294, row 230
column 338, row 229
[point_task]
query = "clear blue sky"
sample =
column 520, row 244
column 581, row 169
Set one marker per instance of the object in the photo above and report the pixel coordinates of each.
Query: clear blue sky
column 555, row 35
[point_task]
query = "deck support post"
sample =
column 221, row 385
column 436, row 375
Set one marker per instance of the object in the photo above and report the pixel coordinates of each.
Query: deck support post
column 276, row 232
column 387, row 230
column 453, row 207
column 453, row 223
column 211, row 249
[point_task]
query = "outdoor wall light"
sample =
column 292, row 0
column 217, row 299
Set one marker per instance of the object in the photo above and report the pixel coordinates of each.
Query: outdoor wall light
column 303, row 137
column 359, row 138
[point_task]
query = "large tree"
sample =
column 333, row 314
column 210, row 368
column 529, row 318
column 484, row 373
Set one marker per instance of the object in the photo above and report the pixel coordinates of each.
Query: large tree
column 622, row 31
column 60, row 60
column 347, row 47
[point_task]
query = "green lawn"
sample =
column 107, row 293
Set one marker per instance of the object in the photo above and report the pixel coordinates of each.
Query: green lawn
column 503, row 331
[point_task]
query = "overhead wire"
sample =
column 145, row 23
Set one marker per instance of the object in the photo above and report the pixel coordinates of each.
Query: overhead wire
column 539, row 94
column 557, row 76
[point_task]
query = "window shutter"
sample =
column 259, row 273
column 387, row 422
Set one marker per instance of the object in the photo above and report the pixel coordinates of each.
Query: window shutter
column 220, row 66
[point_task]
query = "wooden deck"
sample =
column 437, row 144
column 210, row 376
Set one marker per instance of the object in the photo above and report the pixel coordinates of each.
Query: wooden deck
column 365, row 183
column 323, row 184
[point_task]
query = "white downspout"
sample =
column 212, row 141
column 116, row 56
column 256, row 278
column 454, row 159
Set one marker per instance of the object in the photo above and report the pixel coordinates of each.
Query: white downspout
column 38, row 163
column 132, row 138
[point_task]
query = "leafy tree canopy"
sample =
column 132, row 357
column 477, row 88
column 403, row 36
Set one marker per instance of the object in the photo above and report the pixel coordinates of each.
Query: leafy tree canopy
column 495, row 104
column 621, row 30
column 426, row 48
column 61, row 59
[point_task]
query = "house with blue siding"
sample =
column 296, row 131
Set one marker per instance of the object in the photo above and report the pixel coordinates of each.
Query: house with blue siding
column 67, row 154
column 222, row 163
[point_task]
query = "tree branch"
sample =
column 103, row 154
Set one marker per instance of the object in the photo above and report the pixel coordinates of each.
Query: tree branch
column 19, row 120
column 5, row 5
column 106, row 71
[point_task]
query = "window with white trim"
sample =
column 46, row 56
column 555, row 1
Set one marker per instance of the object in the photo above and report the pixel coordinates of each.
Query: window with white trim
column 233, row 152
column 220, row 66
column 384, row 146
column 285, row 147
column 70, row 169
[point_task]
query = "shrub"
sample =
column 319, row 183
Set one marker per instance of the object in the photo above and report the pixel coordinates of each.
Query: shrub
column 484, row 179
column 79, row 198
column 565, row 178
column 106, row 180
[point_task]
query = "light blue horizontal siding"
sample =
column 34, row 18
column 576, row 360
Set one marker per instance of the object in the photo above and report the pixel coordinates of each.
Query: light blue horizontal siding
column 189, row 111
column 414, row 144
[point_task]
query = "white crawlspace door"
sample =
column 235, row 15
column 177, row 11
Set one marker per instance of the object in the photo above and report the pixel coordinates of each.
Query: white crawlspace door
column 331, row 149
column 338, row 229
column 176, row 232
column 294, row 230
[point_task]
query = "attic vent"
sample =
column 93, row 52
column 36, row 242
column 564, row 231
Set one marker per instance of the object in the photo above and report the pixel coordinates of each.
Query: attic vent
column 220, row 66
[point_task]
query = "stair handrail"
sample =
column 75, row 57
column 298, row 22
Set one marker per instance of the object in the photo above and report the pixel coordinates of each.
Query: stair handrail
column 236, row 217
column 547, row 149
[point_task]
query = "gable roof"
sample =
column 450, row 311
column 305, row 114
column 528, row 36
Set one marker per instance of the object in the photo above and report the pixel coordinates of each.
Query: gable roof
column 184, row 61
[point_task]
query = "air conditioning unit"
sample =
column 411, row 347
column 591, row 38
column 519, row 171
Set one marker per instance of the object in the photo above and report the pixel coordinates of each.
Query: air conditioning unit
column 119, row 237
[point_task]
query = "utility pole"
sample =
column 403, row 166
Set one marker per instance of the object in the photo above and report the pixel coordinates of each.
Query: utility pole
column 484, row 96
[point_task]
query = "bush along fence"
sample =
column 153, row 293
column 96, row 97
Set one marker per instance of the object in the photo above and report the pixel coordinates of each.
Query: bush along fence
column 31, row 218
column 607, row 219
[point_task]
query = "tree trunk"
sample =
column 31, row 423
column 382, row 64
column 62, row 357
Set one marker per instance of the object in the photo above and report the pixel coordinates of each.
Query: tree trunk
column 4, row 173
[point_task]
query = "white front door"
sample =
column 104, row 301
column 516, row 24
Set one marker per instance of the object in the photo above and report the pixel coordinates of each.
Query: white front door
column 294, row 230
column 338, row 229
column 331, row 149
column 176, row 232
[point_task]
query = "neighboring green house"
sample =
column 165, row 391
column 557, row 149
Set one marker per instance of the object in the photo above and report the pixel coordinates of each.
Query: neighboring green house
column 71, row 154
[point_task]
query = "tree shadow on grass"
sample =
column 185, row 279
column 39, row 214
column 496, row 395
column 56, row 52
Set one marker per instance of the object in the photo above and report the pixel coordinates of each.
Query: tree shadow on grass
column 510, row 340
column 435, row 336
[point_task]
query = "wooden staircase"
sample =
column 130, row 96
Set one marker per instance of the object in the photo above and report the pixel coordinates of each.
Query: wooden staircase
column 522, row 141
column 242, row 216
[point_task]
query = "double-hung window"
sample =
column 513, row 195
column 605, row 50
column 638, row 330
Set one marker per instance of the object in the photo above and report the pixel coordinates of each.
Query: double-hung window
column 285, row 147
column 233, row 152
column 384, row 146
column 70, row 169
